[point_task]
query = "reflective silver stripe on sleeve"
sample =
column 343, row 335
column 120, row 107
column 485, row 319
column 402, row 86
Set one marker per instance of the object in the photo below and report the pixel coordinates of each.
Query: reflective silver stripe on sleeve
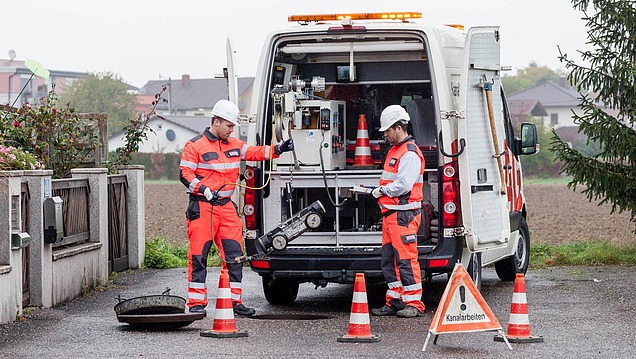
column 267, row 150
column 244, row 150
column 188, row 164
column 389, row 176
column 220, row 166
column 193, row 183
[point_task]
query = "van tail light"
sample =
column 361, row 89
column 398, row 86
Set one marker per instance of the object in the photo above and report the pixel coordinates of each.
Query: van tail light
column 450, row 195
column 249, row 207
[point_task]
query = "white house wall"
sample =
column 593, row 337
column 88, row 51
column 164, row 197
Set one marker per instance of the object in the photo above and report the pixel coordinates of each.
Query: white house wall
column 158, row 141
column 564, row 114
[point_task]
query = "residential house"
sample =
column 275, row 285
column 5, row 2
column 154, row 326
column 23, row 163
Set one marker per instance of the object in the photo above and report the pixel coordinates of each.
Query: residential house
column 14, row 76
column 187, row 112
column 527, row 110
column 557, row 99
column 193, row 97
column 169, row 133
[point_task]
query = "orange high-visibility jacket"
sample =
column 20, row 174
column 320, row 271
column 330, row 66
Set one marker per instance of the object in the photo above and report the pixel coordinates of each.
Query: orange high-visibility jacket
column 411, row 199
column 208, row 162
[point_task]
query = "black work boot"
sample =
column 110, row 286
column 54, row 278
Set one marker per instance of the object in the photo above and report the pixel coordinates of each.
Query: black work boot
column 385, row 310
column 198, row 309
column 409, row 312
column 240, row 309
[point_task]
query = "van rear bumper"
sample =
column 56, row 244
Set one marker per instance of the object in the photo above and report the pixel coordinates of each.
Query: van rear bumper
column 340, row 264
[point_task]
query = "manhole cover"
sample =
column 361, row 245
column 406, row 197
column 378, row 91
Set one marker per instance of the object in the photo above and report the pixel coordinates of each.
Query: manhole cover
column 289, row 316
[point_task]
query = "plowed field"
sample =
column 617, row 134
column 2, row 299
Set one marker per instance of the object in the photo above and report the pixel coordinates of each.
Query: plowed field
column 556, row 214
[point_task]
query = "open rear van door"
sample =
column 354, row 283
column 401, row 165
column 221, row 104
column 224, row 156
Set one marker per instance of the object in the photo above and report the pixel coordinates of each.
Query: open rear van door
column 232, row 80
column 483, row 191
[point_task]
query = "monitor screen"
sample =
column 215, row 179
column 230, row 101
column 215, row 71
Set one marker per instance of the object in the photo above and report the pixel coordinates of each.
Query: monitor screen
column 344, row 72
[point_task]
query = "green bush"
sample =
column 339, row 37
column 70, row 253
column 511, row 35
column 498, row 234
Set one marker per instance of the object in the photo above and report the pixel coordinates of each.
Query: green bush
column 53, row 133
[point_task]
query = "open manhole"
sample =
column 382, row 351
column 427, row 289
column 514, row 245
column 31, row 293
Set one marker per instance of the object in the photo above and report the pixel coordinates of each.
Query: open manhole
column 155, row 312
column 289, row 317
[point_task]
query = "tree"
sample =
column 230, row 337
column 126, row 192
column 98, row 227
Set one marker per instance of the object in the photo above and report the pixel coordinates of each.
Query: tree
column 609, row 110
column 529, row 76
column 99, row 93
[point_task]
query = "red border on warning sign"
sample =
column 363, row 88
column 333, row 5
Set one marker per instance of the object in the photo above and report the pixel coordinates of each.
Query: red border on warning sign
column 437, row 325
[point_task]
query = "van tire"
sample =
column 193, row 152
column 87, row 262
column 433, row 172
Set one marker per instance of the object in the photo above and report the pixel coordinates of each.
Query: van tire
column 508, row 267
column 474, row 269
column 280, row 291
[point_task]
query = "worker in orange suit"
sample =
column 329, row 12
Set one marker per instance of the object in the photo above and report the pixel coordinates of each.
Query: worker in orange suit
column 209, row 168
column 400, row 199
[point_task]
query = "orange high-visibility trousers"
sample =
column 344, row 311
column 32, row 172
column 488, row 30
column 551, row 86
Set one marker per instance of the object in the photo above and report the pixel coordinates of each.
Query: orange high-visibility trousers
column 399, row 259
column 220, row 225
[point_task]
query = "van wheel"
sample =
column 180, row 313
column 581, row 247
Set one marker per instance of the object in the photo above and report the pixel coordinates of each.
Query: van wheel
column 280, row 291
column 508, row 267
column 474, row 269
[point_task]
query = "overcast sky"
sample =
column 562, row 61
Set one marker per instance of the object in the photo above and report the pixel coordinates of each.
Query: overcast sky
column 144, row 40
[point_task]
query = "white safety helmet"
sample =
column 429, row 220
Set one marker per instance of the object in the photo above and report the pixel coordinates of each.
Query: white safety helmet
column 227, row 111
column 391, row 115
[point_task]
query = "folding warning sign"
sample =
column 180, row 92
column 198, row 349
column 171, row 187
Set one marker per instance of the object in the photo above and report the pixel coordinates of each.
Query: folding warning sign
column 462, row 309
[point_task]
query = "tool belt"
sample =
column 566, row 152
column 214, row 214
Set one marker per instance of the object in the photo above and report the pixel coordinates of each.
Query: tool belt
column 214, row 202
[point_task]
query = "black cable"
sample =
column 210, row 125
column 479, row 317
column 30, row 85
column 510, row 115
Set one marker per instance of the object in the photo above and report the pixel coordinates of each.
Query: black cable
column 324, row 176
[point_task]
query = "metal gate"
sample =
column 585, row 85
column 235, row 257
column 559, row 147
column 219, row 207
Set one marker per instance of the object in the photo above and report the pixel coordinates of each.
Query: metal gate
column 117, row 223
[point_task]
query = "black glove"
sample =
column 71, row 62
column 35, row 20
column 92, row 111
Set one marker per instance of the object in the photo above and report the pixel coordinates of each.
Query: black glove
column 285, row 146
column 211, row 196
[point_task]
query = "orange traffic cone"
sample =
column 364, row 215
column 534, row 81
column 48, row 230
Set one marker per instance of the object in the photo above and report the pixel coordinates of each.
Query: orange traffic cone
column 359, row 324
column 362, row 155
column 519, row 322
column 224, row 325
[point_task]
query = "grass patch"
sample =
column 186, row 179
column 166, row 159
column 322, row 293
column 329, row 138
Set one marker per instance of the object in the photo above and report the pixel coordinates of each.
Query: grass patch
column 161, row 254
column 589, row 253
column 546, row 180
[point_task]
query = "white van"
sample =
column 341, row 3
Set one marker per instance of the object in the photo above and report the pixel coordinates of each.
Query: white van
column 320, row 83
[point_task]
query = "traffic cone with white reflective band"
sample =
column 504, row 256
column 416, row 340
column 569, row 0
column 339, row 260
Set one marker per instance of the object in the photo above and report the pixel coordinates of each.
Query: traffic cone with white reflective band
column 359, row 323
column 519, row 322
column 224, row 325
column 362, row 154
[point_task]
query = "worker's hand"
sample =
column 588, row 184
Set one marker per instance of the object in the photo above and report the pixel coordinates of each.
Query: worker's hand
column 208, row 194
column 285, row 146
column 378, row 192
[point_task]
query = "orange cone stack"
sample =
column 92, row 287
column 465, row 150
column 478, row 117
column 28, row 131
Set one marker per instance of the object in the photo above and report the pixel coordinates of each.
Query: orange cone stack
column 519, row 323
column 362, row 155
column 224, row 325
column 359, row 323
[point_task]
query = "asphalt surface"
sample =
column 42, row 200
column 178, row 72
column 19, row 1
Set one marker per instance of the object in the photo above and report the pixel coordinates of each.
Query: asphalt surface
column 581, row 312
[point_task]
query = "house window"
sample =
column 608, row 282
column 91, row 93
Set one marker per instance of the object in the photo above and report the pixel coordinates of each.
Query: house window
column 554, row 119
column 170, row 135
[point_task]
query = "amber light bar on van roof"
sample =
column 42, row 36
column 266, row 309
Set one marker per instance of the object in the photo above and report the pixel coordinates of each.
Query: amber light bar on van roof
column 359, row 16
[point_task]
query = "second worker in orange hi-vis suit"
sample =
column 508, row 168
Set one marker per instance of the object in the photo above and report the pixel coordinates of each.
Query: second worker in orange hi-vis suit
column 400, row 198
column 209, row 168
